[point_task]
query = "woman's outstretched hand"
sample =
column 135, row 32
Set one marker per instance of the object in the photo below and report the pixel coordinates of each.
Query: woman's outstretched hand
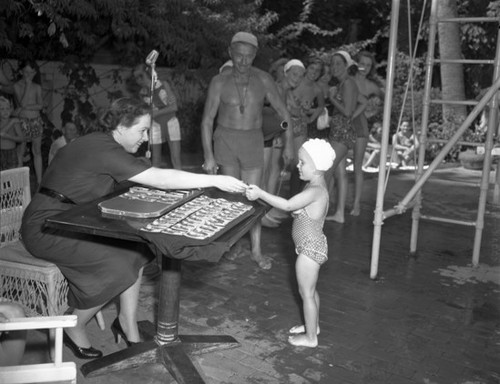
column 230, row 184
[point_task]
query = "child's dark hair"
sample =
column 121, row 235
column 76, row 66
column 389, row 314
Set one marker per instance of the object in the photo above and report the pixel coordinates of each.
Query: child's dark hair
column 314, row 59
column 33, row 64
column 56, row 134
column 352, row 69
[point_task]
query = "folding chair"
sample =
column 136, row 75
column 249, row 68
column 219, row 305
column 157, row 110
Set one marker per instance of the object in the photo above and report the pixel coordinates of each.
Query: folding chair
column 41, row 373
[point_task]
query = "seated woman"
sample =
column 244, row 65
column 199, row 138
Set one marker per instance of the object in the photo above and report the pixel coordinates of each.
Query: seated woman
column 99, row 269
column 405, row 143
column 374, row 144
column 11, row 343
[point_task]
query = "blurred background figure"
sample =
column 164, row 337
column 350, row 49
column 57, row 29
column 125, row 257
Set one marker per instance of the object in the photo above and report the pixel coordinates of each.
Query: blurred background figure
column 373, row 146
column 28, row 97
column 61, row 138
column 370, row 90
column 11, row 136
column 164, row 113
column 273, row 133
column 344, row 98
column 405, row 143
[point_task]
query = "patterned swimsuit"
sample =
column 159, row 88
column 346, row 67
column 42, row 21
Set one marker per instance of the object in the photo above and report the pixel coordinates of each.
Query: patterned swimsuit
column 341, row 129
column 307, row 234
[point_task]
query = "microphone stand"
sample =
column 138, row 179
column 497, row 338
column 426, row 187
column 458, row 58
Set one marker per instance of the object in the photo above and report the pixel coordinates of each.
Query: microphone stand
column 149, row 154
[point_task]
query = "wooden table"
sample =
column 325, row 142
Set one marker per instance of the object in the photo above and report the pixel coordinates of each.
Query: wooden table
column 164, row 345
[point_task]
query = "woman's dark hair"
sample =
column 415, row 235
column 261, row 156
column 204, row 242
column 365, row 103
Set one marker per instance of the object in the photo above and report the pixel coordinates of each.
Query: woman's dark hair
column 131, row 84
column 33, row 64
column 275, row 65
column 313, row 59
column 372, row 75
column 369, row 55
column 56, row 134
column 351, row 70
column 124, row 111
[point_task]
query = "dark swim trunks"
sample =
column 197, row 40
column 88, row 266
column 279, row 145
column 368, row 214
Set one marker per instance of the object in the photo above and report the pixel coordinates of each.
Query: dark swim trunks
column 241, row 148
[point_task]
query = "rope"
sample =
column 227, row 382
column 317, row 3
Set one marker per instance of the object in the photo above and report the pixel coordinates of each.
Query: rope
column 410, row 82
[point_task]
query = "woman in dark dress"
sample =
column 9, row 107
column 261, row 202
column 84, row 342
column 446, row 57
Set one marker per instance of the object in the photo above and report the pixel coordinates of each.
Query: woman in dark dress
column 99, row 269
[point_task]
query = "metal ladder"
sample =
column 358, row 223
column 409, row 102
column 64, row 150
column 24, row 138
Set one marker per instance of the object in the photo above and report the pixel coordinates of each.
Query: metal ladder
column 413, row 199
column 492, row 124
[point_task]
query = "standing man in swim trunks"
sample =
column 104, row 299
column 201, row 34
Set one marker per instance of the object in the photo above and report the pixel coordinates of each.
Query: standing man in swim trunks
column 237, row 97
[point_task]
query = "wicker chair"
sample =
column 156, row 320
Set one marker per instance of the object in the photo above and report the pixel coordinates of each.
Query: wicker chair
column 35, row 284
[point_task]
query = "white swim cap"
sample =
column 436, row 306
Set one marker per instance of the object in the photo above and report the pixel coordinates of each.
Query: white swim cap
column 293, row 63
column 348, row 59
column 321, row 152
column 227, row 64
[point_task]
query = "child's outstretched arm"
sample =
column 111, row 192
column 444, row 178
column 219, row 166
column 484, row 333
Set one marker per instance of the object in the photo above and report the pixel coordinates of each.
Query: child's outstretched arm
column 298, row 201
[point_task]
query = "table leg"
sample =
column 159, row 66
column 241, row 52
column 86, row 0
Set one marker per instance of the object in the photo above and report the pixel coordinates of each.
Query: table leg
column 168, row 306
column 167, row 347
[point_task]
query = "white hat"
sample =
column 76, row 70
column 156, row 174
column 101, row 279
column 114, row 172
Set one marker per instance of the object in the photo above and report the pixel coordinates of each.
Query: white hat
column 245, row 37
column 321, row 152
column 348, row 59
column 293, row 63
column 227, row 64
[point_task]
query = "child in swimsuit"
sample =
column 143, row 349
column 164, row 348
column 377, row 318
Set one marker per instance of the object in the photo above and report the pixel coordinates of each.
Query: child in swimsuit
column 28, row 95
column 309, row 207
column 11, row 136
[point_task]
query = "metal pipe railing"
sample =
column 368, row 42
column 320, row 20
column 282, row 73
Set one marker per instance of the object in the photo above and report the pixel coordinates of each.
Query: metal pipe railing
column 485, row 179
column 453, row 140
column 379, row 204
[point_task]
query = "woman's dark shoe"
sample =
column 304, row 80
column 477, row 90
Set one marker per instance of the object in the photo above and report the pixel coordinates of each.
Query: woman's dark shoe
column 81, row 353
column 119, row 334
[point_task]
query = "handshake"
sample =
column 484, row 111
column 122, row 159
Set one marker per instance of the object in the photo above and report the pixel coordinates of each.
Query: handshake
column 253, row 192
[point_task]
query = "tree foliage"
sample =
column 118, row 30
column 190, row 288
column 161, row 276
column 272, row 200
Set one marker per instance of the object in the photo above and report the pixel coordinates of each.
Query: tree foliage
column 188, row 34
column 192, row 35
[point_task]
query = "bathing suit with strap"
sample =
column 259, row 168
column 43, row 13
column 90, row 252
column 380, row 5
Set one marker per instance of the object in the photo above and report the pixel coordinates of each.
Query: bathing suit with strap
column 307, row 234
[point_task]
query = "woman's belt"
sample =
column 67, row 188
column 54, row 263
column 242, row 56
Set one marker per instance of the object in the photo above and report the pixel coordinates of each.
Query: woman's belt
column 55, row 195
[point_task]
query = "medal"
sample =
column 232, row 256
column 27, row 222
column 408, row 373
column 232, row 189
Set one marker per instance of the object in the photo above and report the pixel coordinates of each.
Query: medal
column 240, row 96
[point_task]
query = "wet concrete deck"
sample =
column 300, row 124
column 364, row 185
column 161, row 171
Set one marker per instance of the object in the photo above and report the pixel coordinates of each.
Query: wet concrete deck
column 432, row 319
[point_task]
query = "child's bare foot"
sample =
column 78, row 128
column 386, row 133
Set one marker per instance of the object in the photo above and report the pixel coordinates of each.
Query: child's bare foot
column 338, row 217
column 303, row 341
column 262, row 261
column 301, row 329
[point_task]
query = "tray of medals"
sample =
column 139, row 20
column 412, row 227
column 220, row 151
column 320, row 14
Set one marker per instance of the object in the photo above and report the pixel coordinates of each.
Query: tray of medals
column 202, row 218
column 142, row 202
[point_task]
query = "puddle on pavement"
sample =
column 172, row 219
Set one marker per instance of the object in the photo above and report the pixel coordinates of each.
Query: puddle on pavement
column 481, row 274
